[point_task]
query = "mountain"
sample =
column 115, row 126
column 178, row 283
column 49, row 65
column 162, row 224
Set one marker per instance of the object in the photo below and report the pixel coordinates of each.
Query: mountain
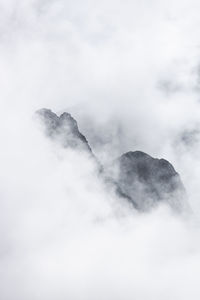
column 148, row 181
column 63, row 129
column 137, row 177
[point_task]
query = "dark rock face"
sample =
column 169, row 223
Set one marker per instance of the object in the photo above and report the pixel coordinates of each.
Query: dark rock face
column 63, row 129
column 135, row 176
column 147, row 181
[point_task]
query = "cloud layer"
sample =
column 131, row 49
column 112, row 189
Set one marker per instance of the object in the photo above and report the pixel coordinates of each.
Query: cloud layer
column 129, row 73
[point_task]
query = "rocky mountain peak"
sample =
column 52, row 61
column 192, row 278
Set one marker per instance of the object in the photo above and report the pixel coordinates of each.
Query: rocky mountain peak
column 148, row 181
column 63, row 129
column 135, row 176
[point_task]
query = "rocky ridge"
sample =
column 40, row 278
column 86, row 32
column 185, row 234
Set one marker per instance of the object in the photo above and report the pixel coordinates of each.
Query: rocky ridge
column 137, row 177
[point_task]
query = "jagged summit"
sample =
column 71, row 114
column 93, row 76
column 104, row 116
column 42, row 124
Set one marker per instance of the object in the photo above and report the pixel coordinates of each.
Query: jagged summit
column 64, row 129
column 148, row 181
column 135, row 176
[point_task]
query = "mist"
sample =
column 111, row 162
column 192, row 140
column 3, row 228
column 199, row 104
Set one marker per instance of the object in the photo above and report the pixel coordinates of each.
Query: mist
column 128, row 72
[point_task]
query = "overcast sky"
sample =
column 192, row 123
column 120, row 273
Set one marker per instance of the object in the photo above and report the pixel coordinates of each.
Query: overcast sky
column 129, row 72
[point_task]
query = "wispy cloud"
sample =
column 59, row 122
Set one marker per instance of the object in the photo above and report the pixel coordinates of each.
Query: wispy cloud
column 129, row 73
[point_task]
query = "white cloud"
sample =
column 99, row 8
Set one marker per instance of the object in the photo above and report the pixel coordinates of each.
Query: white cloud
column 117, row 64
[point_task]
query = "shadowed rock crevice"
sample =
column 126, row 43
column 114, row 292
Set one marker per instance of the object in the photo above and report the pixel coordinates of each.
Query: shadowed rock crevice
column 135, row 176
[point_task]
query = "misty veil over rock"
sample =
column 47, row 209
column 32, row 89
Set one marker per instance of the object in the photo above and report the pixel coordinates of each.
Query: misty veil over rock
column 135, row 176
column 63, row 129
column 148, row 181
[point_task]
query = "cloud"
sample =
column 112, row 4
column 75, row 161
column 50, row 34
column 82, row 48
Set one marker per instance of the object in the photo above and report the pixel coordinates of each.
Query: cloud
column 129, row 74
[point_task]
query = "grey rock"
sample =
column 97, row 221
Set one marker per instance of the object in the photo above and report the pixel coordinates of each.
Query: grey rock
column 63, row 129
column 142, row 180
column 147, row 181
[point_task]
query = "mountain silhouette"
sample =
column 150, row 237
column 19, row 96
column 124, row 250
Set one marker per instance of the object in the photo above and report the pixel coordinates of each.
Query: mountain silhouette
column 148, row 181
column 137, row 177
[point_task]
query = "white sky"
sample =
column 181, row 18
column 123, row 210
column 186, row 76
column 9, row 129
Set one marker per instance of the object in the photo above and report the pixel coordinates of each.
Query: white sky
column 129, row 73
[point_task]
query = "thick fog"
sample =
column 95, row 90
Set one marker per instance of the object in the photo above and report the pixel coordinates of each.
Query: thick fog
column 129, row 73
